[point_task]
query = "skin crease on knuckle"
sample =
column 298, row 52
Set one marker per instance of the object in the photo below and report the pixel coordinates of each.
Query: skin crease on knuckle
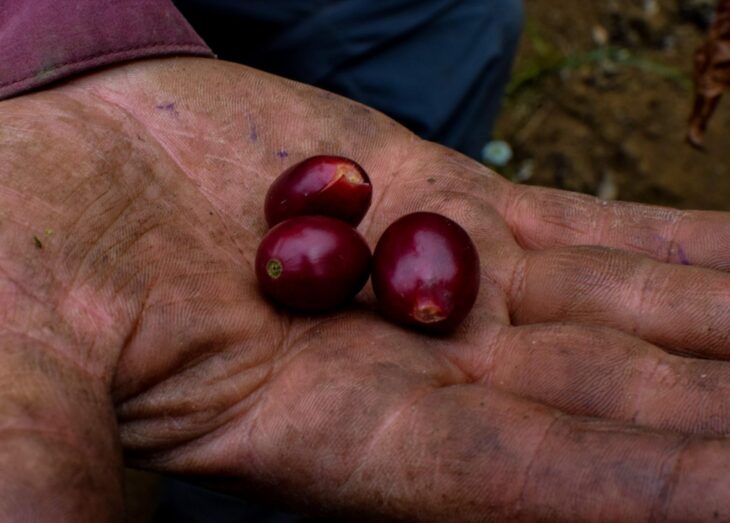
column 149, row 265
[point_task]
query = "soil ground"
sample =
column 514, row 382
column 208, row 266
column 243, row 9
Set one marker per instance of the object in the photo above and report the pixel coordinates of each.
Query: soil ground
column 600, row 100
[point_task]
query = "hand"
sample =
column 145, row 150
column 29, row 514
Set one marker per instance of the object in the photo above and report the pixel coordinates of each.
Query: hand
column 130, row 211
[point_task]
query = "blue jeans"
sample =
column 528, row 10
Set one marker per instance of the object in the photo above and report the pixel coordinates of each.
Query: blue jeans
column 437, row 66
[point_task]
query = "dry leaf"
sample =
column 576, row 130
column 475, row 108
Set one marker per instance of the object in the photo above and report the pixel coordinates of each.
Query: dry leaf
column 711, row 74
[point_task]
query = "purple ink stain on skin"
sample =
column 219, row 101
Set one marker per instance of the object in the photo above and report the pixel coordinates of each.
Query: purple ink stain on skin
column 253, row 134
column 675, row 250
column 282, row 154
column 168, row 107
column 682, row 255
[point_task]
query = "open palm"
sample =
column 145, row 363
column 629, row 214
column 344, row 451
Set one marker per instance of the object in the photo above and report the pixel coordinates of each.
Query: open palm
column 131, row 206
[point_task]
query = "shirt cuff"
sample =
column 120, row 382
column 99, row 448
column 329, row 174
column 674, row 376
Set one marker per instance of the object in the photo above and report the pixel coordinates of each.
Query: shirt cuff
column 43, row 41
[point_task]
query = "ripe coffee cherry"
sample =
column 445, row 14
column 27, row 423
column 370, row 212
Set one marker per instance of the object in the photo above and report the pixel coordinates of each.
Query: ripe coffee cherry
column 312, row 263
column 321, row 185
column 426, row 272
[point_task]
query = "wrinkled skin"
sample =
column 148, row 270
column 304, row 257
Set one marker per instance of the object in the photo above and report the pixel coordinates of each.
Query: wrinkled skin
column 131, row 328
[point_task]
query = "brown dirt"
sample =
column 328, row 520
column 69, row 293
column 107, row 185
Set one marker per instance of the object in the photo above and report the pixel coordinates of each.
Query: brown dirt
column 607, row 104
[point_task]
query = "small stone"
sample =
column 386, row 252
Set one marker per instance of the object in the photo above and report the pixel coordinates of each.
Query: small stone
column 525, row 171
column 600, row 35
column 497, row 153
column 607, row 187
column 651, row 7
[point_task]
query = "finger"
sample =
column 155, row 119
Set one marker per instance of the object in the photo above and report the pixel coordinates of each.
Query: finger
column 389, row 431
column 469, row 453
column 600, row 372
column 686, row 309
column 545, row 218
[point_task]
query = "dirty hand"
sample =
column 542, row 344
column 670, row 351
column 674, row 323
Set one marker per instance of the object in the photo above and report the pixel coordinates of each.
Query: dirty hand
column 131, row 325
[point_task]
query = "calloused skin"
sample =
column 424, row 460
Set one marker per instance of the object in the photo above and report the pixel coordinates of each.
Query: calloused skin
column 590, row 382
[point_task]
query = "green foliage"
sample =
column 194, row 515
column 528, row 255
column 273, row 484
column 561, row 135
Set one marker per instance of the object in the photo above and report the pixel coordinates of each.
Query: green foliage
column 547, row 60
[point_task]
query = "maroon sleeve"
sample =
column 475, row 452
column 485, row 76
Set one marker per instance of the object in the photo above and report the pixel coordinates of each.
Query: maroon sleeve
column 45, row 40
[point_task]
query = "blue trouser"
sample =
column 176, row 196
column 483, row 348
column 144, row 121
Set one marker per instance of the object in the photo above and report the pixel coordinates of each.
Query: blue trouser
column 437, row 66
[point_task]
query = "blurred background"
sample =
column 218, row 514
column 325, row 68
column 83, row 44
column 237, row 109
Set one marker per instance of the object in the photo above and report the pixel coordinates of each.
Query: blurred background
column 598, row 103
column 600, row 98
